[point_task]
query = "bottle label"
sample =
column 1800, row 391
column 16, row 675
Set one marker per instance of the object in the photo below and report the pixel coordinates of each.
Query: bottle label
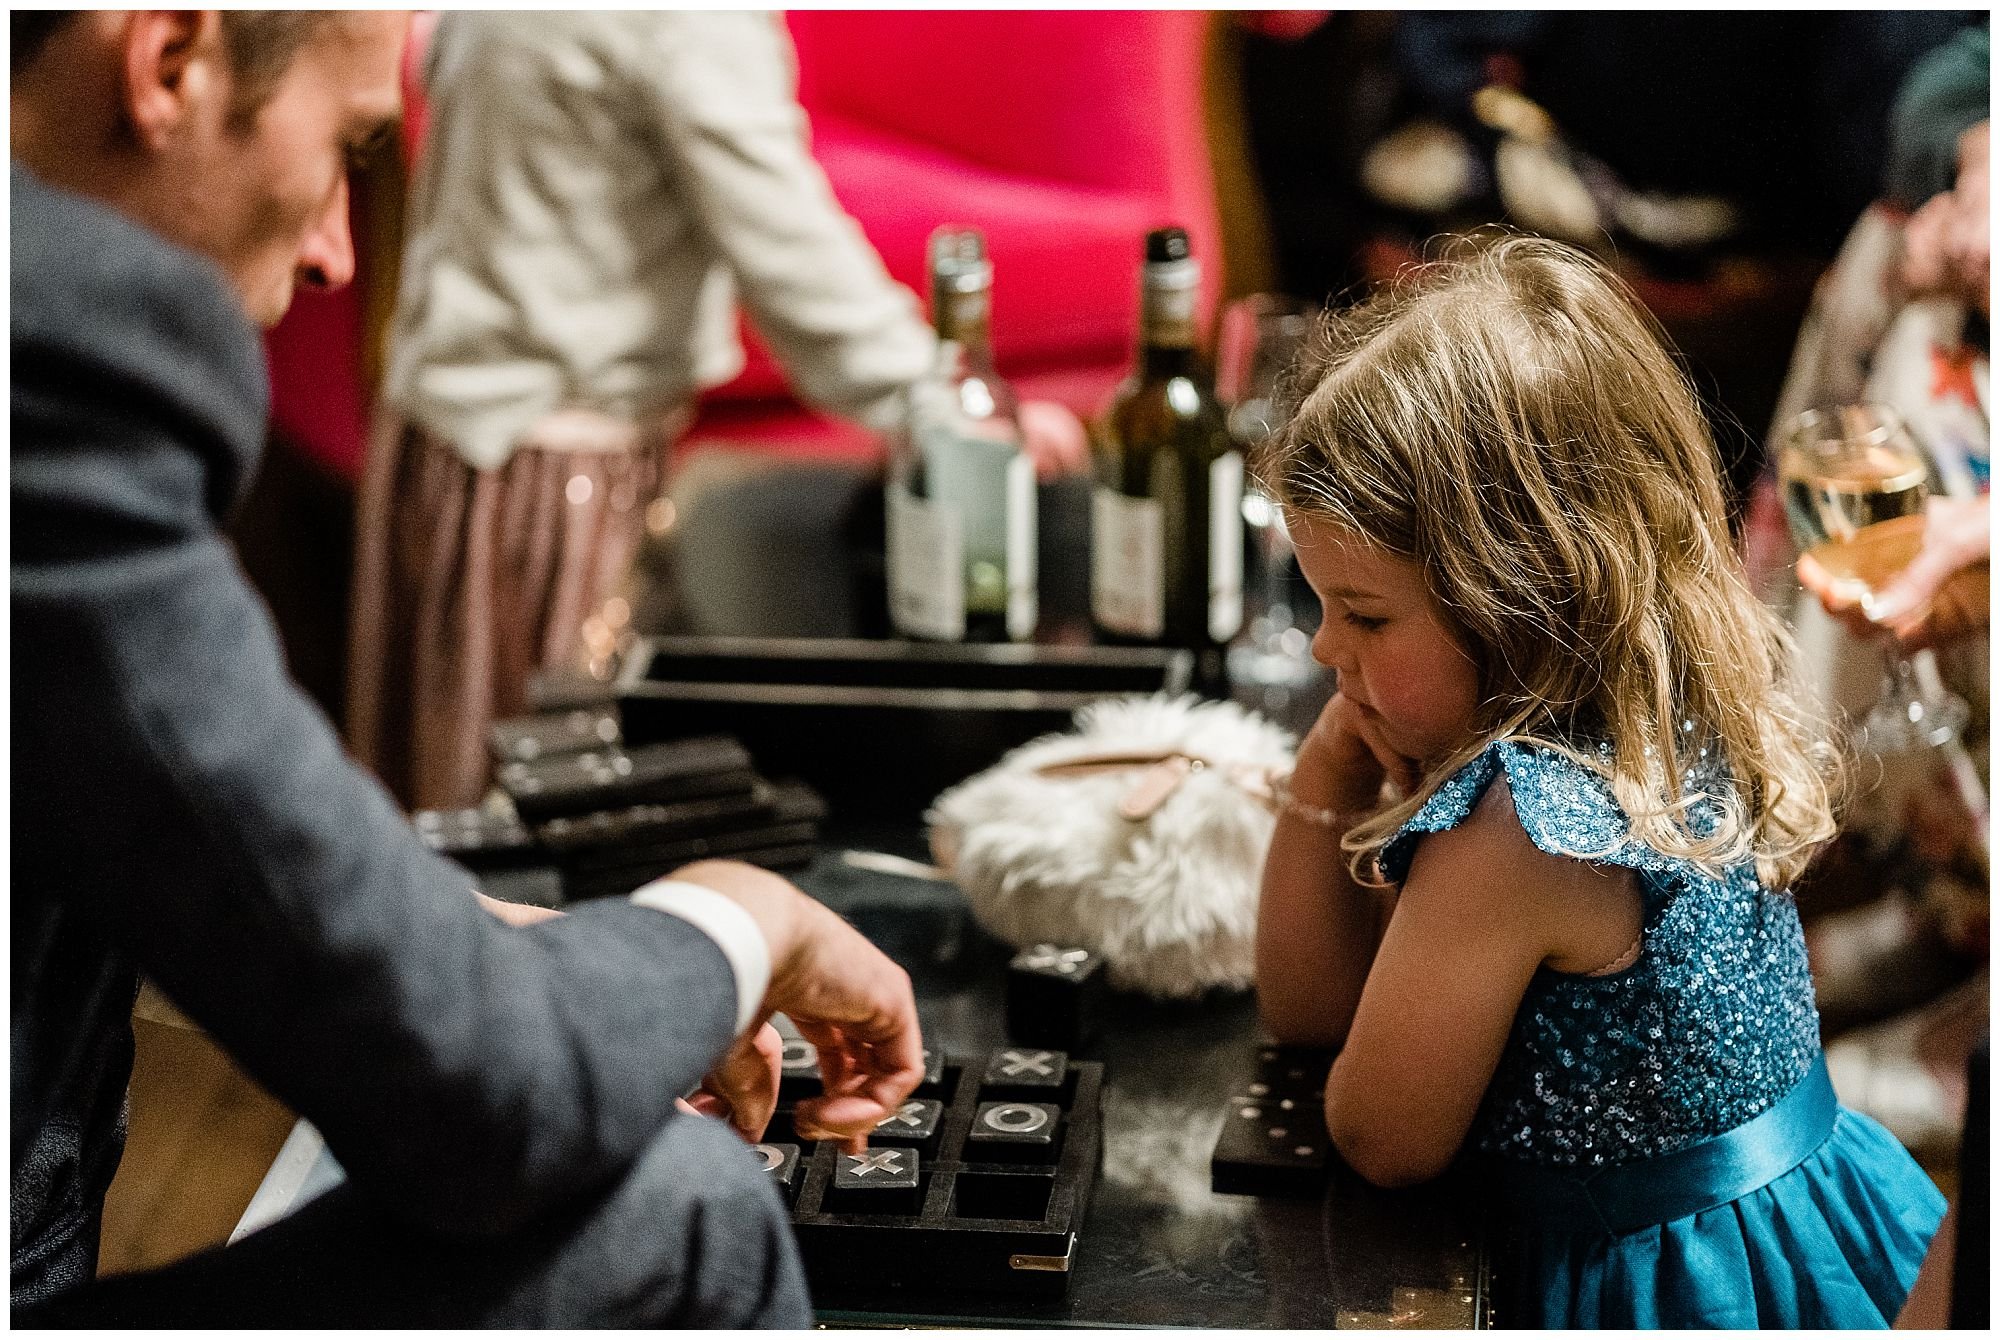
column 1225, row 546
column 1023, row 600
column 962, row 315
column 1128, row 579
column 926, row 554
column 1168, row 297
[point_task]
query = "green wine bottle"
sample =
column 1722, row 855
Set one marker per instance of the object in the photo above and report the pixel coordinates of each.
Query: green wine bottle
column 1166, row 559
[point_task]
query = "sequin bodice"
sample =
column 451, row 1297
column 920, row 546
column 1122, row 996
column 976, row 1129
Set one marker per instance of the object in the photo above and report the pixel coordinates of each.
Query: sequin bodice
column 1712, row 1024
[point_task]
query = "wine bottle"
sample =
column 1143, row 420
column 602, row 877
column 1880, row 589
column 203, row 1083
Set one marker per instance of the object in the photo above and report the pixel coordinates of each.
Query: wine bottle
column 1167, row 511
column 961, row 488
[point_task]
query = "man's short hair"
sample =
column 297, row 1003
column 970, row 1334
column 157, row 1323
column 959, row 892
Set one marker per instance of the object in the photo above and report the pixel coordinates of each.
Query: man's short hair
column 28, row 31
column 260, row 43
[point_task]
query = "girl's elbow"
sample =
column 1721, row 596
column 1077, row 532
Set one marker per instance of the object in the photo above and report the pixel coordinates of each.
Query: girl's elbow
column 1387, row 1168
column 1296, row 1028
column 1384, row 1160
column 1299, row 1019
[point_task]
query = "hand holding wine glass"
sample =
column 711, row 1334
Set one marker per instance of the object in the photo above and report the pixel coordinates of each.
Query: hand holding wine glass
column 1855, row 484
column 1941, row 596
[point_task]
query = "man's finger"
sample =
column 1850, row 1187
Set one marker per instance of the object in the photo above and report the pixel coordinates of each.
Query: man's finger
column 743, row 1086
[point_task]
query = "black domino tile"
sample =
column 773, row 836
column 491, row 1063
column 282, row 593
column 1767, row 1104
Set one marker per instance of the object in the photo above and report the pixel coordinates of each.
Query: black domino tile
column 1266, row 1150
column 1273, row 1139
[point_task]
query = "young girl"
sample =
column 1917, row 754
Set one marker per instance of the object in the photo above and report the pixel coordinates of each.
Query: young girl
column 1565, row 945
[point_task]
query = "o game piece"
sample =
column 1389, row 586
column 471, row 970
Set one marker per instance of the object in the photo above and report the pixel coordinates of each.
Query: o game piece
column 1014, row 1132
column 782, row 1162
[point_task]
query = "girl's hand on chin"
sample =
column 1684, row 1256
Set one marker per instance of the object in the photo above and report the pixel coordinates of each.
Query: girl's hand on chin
column 1349, row 744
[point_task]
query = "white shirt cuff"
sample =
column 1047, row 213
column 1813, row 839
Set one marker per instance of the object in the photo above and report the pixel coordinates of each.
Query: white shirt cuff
column 734, row 931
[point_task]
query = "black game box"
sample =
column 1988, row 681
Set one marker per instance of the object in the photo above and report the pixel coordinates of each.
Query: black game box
column 978, row 1184
column 876, row 726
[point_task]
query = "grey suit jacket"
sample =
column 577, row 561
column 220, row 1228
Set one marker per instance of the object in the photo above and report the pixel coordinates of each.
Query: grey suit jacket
column 181, row 809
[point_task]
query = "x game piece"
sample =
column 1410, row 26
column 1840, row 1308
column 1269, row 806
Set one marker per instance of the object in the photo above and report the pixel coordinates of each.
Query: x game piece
column 877, row 1181
column 1025, row 1072
column 914, row 1123
column 1052, row 995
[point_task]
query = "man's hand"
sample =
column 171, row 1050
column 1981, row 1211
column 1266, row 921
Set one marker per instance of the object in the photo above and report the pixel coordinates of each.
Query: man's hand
column 1941, row 596
column 743, row 1087
column 846, row 997
column 515, row 914
column 1055, row 439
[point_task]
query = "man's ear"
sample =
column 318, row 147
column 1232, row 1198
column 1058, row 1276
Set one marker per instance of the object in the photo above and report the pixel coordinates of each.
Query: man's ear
column 173, row 65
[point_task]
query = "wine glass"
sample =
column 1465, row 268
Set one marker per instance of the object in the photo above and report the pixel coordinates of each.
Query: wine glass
column 1854, row 483
column 1260, row 338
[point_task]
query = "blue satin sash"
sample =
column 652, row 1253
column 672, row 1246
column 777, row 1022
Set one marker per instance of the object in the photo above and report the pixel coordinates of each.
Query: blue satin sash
column 1632, row 1196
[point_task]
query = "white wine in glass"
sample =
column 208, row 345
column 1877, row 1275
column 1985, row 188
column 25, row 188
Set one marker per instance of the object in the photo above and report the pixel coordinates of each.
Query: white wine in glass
column 1854, row 483
column 1854, row 493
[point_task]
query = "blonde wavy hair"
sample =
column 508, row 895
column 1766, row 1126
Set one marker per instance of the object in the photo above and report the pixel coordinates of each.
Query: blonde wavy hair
column 1510, row 420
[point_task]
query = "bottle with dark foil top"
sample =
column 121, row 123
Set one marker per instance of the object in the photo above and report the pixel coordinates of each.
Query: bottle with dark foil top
column 961, row 488
column 1166, row 562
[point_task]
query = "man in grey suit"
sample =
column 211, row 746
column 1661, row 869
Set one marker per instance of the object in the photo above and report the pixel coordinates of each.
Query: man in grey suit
column 504, row 1087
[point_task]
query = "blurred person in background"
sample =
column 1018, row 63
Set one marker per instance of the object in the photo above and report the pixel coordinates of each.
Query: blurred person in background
column 596, row 193
column 1902, row 318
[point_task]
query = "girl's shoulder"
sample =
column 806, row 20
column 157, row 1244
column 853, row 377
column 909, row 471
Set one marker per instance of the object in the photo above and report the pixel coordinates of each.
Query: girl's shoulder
column 1564, row 806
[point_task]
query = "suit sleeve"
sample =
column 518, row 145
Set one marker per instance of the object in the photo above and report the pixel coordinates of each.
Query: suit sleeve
column 174, row 787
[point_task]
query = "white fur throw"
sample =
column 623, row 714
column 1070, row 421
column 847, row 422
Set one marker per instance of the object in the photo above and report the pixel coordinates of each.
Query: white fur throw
column 1169, row 901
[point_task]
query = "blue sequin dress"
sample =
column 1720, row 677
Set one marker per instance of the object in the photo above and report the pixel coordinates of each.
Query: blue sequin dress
column 1708, row 1029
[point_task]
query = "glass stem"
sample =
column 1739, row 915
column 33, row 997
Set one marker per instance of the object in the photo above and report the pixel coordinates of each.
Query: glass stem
column 1903, row 687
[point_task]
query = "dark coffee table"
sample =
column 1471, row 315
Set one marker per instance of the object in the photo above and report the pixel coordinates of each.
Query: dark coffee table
column 1158, row 1248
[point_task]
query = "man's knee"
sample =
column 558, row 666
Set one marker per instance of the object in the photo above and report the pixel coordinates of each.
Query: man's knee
column 702, row 1206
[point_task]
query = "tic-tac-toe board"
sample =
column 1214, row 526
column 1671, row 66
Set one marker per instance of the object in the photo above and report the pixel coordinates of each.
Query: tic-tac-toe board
column 979, row 1182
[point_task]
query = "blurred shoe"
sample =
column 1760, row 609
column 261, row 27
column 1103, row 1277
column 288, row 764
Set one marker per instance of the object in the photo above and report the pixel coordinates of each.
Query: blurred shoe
column 1549, row 186
column 1425, row 168
column 1909, row 1072
column 1544, row 194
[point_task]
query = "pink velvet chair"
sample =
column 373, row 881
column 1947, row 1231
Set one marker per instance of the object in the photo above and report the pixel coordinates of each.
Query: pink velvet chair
column 1064, row 135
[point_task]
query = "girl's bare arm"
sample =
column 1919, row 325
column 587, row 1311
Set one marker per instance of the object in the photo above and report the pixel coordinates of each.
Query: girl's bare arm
column 1316, row 928
column 1482, row 909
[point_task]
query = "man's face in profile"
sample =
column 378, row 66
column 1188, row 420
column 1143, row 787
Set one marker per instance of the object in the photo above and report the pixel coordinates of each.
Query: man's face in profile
column 269, row 198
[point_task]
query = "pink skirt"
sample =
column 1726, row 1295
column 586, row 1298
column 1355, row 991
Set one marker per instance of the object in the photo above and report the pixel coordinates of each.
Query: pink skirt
column 467, row 583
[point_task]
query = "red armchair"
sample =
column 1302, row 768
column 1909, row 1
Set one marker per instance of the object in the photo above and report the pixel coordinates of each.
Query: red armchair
column 1064, row 135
